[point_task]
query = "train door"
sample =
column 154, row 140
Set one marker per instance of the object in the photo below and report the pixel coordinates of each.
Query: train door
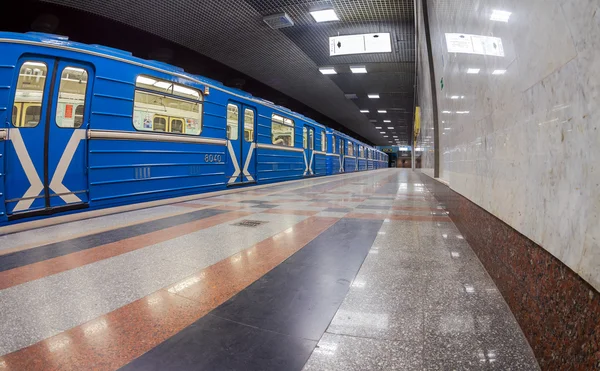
column 46, row 164
column 241, row 122
column 308, row 141
column 341, row 144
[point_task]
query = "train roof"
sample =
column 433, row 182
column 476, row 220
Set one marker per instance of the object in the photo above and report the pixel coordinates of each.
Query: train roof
column 63, row 42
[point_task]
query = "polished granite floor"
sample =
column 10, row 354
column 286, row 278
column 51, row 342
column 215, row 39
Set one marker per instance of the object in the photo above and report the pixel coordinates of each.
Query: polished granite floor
column 362, row 271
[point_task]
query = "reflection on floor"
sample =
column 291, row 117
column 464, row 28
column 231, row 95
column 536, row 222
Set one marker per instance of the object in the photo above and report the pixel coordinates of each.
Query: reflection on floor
column 355, row 272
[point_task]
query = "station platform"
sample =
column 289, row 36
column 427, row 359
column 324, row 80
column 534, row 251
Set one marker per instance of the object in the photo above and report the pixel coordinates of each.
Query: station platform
column 361, row 271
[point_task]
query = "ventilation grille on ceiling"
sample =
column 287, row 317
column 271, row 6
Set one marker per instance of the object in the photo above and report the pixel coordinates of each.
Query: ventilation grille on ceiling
column 351, row 96
column 279, row 20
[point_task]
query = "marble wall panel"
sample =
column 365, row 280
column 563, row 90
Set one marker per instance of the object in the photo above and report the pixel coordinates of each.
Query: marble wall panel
column 523, row 143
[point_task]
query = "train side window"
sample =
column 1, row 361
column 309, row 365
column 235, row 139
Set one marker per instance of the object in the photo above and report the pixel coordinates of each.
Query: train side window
column 71, row 95
column 79, row 115
column 323, row 142
column 248, row 125
column 15, row 116
column 30, row 93
column 232, row 121
column 31, row 115
column 350, row 149
column 176, row 125
column 311, row 138
column 304, row 137
column 157, row 100
column 159, row 123
column 341, row 145
column 282, row 131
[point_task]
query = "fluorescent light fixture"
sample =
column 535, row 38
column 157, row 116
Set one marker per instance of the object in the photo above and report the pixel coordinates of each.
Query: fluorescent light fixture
column 390, row 128
column 462, row 112
column 387, row 120
column 358, row 69
column 378, row 127
column 474, row 44
column 381, row 111
column 395, row 136
column 473, row 71
column 382, row 132
column 455, row 97
column 324, row 15
column 500, row 15
column 327, row 70
column 499, row 72
column 446, row 128
column 446, row 111
column 360, row 44
column 373, row 96
column 364, row 111
column 385, row 136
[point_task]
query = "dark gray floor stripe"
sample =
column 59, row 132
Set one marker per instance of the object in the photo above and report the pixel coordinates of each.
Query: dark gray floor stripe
column 275, row 323
column 53, row 250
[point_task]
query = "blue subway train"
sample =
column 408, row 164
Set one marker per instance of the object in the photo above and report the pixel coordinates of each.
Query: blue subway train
column 88, row 127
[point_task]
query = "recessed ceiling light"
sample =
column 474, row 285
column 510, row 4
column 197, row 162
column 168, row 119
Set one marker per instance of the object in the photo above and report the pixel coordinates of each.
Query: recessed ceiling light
column 358, row 69
column 387, row 120
column 499, row 72
column 385, row 136
column 500, row 15
column 381, row 111
column 373, row 96
column 382, row 132
column 462, row 112
column 364, row 111
column 473, row 71
column 391, row 127
column 378, row 127
column 455, row 97
column 446, row 128
column 324, row 15
column 327, row 70
column 395, row 136
column 446, row 111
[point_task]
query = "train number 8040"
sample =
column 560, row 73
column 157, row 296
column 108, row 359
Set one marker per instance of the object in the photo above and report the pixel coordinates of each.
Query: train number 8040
column 212, row 158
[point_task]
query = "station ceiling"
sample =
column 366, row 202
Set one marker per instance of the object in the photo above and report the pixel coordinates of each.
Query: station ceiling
column 288, row 59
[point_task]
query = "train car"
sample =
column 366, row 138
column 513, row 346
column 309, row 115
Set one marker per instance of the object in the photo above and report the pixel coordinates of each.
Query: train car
column 334, row 161
column 370, row 161
column 94, row 127
column 314, row 143
column 362, row 159
column 350, row 160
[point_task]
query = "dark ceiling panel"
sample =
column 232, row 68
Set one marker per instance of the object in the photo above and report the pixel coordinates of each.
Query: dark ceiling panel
column 233, row 33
